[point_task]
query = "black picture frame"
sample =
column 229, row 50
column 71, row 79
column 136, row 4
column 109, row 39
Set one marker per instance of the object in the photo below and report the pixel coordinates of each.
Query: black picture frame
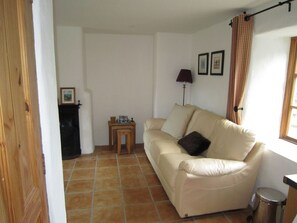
column 217, row 62
column 203, row 64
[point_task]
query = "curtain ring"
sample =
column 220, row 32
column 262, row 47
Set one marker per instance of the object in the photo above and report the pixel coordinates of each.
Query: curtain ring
column 236, row 108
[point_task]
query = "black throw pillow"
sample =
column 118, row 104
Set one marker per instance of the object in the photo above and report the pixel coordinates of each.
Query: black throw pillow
column 194, row 143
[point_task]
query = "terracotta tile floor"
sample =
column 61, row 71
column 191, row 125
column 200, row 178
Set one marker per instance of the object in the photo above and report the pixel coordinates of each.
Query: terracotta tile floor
column 104, row 187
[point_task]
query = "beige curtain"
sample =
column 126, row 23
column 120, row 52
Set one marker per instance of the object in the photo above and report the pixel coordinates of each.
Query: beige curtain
column 242, row 33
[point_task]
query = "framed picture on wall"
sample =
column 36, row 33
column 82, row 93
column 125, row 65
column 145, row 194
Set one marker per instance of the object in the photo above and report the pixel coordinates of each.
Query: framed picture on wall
column 217, row 63
column 67, row 95
column 203, row 64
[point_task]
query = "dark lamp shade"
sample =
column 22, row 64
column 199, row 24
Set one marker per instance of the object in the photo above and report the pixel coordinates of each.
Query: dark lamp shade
column 184, row 76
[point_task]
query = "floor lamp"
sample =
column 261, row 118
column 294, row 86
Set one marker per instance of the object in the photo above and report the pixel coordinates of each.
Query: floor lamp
column 184, row 76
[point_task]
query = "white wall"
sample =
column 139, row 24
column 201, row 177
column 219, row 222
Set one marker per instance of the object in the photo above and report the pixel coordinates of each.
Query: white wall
column 276, row 19
column 120, row 76
column 71, row 73
column 273, row 168
column 132, row 75
column 208, row 91
column 47, row 85
column 266, row 85
column 172, row 52
column 143, row 69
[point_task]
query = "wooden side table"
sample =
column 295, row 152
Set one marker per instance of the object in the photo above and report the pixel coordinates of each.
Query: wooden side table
column 112, row 127
column 128, row 135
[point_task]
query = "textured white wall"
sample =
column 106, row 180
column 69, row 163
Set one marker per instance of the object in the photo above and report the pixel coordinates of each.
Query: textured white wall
column 208, row 91
column 143, row 69
column 172, row 52
column 48, row 107
column 264, row 99
column 120, row 76
column 276, row 19
column 273, row 168
column 265, row 86
column 71, row 73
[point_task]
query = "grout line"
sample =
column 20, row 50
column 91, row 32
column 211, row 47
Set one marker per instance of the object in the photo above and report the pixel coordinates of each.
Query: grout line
column 228, row 219
column 68, row 181
column 93, row 192
column 153, row 201
column 121, row 188
column 70, row 176
column 193, row 219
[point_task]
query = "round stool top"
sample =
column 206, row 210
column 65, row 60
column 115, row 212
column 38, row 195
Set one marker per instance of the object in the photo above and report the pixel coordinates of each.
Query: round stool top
column 270, row 195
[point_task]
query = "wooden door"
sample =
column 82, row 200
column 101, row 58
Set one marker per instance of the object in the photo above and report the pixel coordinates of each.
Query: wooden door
column 22, row 181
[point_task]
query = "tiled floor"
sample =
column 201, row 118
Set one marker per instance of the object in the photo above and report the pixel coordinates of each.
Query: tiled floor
column 104, row 187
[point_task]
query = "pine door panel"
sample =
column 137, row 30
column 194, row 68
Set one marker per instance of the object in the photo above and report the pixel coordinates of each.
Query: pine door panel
column 23, row 189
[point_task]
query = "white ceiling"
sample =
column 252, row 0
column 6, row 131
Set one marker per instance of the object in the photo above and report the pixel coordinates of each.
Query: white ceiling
column 148, row 16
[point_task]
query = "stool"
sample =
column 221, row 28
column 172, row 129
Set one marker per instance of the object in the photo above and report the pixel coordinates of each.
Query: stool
column 128, row 134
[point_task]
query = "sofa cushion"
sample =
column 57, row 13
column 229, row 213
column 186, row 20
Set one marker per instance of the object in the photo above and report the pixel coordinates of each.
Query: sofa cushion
column 159, row 147
column 154, row 123
column 152, row 135
column 211, row 167
column 177, row 120
column 169, row 164
column 203, row 122
column 194, row 143
column 230, row 141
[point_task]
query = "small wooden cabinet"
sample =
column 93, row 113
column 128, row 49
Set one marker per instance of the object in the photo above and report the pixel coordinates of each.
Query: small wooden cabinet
column 69, row 129
column 114, row 126
column 291, row 207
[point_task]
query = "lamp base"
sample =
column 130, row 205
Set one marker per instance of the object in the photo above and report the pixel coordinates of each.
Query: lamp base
column 184, row 88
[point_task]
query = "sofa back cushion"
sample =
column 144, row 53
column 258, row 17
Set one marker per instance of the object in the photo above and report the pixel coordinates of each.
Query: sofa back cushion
column 230, row 141
column 178, row 120
column 203, row 122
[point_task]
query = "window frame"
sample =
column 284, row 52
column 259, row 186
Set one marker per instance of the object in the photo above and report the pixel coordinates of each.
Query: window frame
column 289, row 91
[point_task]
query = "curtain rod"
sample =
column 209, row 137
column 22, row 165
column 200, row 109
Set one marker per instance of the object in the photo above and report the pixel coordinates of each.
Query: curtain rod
column 247, row 17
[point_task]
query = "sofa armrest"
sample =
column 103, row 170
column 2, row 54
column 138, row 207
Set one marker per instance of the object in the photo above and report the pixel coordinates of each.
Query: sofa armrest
column 211, row 167
column 154, row 123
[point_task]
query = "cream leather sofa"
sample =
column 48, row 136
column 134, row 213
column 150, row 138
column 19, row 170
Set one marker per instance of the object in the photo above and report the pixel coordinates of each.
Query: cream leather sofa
column 221, row 178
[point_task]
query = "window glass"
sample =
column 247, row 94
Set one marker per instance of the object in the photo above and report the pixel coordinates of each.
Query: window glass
column 293, row 124
column 294, row 95
column 295, row 70
column 288, row 129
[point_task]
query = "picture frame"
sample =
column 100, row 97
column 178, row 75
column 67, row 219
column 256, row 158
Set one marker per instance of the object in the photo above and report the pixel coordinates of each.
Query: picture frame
column 123, row 119
column 203, row 64
column 67, row 95
column 217, row 63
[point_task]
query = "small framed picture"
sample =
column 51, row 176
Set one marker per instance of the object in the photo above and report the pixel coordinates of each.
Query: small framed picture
column 203, row 64
column 67, row 95
column 217, row 63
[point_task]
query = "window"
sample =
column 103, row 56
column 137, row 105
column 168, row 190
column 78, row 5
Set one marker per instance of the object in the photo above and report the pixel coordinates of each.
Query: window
column 289, row 116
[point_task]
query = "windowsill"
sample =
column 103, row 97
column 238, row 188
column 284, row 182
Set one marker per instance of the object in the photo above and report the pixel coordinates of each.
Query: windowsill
column 283, row 148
